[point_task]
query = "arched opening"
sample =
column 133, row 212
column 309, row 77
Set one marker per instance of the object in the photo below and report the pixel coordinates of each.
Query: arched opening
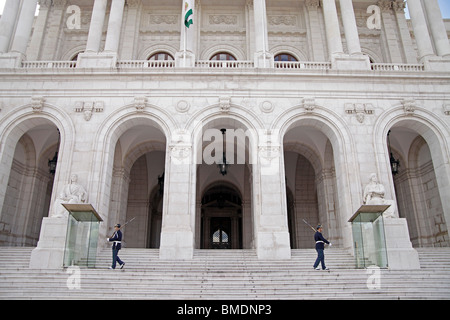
column 161, row 56
column 139, row 165
column 224, row 210
column 30, row 184
column 285, row 57
column 304, row 202
column 223, row 56
column 419, row 198
column 310, row 185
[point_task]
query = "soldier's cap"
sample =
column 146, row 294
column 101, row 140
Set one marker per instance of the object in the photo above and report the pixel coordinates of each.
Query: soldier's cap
column 319, row 226
column 117, row 225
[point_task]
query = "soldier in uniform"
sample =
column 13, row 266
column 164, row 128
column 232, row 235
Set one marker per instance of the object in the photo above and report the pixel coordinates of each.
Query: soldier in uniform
column 116, row 239
column 320, row 246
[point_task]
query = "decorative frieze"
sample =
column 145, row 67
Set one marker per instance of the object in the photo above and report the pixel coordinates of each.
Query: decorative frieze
column 88, row 108
column 140, row 103
column 309, row 104
column 409, row 105
column 163, row 19
column 284, row 20
column 225, row 104
column 359, row 109
column 37, row 103
column 223, row 19
column 160, row 22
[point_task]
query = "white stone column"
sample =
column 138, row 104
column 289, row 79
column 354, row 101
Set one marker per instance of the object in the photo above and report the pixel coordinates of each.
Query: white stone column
column 39, row 32
column 96, row 26
column 333, row 31
column 24, row 27
column 350, row 27
column 131, row 32
column 272, row 232
column 54, row 26
column 420, row 28
column 389, row 34
column 263, row 59
column 314, row 30
column 7, row 23
column 403, row 32
column 114, row 26
column 437, row 28
column 177, row 237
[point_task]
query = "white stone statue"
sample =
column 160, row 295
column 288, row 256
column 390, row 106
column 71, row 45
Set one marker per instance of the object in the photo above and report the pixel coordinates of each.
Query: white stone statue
column 374, row 194
column 72, row 193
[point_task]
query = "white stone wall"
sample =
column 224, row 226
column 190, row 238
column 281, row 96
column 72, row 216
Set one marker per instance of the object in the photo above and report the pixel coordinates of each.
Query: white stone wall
column 336, row 114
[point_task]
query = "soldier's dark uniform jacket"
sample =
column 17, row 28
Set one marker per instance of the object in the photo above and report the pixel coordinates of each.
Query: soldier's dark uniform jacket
column 320, row 240
column 116, row 239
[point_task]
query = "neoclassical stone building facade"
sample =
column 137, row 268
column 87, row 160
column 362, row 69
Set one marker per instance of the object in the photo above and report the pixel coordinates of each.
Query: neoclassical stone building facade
column 315, row 96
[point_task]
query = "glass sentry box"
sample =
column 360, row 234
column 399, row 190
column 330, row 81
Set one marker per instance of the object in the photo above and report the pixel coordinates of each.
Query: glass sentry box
column 82, row 235
column 369, row 237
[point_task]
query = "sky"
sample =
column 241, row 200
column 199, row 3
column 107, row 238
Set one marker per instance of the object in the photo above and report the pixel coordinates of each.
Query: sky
column 445, row 7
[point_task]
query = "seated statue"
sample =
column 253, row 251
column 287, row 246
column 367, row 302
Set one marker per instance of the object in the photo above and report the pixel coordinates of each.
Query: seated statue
column 72, row 193
column 374, row 194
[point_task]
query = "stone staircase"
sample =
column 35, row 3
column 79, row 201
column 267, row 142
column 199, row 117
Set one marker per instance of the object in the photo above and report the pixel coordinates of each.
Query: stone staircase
column 223, row 275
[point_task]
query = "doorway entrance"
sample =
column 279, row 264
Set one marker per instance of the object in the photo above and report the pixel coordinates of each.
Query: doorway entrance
column 221, row 235
column 221, row 226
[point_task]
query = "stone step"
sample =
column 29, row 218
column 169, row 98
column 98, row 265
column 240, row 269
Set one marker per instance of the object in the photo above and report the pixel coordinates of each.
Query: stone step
column 223, row 274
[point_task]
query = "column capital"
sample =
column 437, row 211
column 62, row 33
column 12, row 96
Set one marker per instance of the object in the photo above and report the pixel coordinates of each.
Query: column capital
column 399, row 6
column 385, row 5
column 312, row 4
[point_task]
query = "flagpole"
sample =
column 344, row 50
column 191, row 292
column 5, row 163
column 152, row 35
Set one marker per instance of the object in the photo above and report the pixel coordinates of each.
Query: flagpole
column 264, row 22
column 184, row 47
column 184, row 37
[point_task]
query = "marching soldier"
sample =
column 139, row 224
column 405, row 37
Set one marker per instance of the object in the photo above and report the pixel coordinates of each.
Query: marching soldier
column 116, row 239
column 320, row 246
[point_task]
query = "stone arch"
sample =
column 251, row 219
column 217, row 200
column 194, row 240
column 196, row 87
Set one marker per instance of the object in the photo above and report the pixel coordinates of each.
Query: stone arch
column 73, row 52
column 105, row 144
column 222, row 183
column 433, row 130
column 149, row 51
column 434, row 133
column 373, row 56
column 14, row 129
column 233, row 112
column 140, row 150
column 345, row 186
column 211, row 51
column 295, row 52
column 15, row 124
column 234, row 118
column 307, row 152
